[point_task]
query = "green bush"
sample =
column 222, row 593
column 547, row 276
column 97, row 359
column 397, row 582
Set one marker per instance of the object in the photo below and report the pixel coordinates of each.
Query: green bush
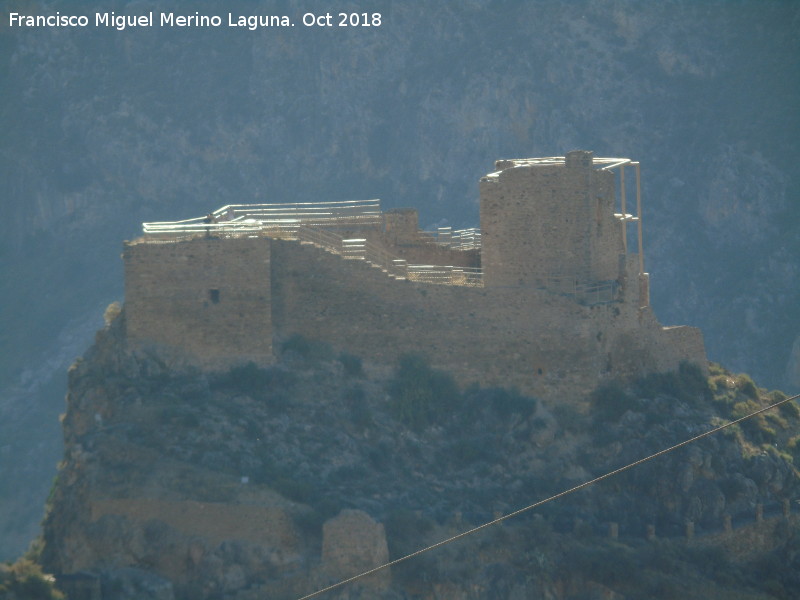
column 352, row 365
column 793, row 448
column 253, row 381
column 310, row 350
column 360, row 414
column 723, row 392
column 569, row 417
column 463, row 453
column 310, row 522
column 756, row 427
column 694, row 381
column 610, row 401
column 419, row 394
column 380, row 456
column 405, row 531
column 293, row 489
column 790, row 410
column 506, row 402
column 607, row 564
column 283, row 480
column 742, row 409
column 715, row 369
column 746, row 386
column 687, row 384
column 24, row 580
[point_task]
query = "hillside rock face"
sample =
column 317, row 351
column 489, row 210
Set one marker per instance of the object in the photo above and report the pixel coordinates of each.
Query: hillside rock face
column 105, row 129
column 258, row 483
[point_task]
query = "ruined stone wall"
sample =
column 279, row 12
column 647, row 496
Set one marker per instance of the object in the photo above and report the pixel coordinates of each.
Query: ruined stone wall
column 209, row 297
column 401, row 225
column 219, row 300
column 427, row 253
column 401, row 238
column 543, row 343
column 214, row 521
column 540, row 220
column 679, row 343
column 353, row 542
column 359, row 309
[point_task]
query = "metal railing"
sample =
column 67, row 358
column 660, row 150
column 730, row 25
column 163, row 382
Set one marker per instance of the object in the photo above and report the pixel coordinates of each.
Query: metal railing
column 316, row 223
column 459, row 239
column 274, row 219
column 446, row 275
column 377, row 256
column 340, row 213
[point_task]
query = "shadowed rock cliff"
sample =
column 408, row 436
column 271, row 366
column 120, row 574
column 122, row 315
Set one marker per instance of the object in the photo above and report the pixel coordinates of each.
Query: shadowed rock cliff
column 245, row 484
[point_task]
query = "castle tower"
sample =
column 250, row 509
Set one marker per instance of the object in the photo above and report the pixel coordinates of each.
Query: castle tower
column 549, row 222
column 208, row 297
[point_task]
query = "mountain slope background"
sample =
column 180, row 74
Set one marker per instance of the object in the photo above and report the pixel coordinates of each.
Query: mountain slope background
column 104, row 129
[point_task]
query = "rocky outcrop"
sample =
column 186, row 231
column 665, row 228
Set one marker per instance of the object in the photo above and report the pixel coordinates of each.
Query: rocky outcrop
column 275, row 482
column 413, row 112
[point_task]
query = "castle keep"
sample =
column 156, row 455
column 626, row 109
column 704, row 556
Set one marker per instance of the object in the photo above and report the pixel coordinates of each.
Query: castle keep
column 547, row 296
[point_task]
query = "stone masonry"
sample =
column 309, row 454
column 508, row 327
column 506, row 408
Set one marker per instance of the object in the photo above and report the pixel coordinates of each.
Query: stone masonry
column 208, row 297
column 562, row 305
column 353, row 542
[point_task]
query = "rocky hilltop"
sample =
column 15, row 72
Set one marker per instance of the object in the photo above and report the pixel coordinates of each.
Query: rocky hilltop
column 272, row 483
column 105, row 129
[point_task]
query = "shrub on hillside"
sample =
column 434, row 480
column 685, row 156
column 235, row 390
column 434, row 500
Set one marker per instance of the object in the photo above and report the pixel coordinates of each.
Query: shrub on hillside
column 506, row 402
column 688, row 384
column 756, row 428
column 356, row 401
column 610, row 401
column 253, row 381
column 419, row 394
column 405, row 531
column 465, row 452
column 24, row 579
column 746, row 386
column 790, row 410
column 793, row 448
column 308, row 349
column 351, row 364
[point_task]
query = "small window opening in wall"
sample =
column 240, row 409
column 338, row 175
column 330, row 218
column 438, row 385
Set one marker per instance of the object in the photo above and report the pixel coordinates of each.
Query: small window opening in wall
column 213, row 295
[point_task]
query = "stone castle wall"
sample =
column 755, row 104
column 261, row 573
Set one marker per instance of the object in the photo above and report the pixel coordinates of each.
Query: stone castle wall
column 357, row 309
column 208, row 296
column 222, row 301
column 536, row 340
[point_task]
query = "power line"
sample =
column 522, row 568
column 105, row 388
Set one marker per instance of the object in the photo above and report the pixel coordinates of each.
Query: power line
column 545, row 501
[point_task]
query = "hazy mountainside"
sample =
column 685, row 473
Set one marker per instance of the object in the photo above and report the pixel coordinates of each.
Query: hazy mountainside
column 276, row 482
column 104, row 129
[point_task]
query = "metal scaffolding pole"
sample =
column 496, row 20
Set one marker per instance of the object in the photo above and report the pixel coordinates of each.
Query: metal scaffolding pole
column 639, row 217
column 622, row 208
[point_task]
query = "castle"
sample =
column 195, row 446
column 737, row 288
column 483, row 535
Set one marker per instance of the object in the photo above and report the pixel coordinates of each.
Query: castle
column 548, row 296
